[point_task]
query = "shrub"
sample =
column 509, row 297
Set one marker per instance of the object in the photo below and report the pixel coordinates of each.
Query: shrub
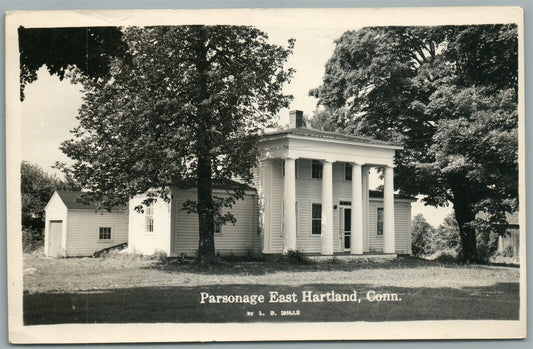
column 294, row 257
column 32, row 240
column 334, row 260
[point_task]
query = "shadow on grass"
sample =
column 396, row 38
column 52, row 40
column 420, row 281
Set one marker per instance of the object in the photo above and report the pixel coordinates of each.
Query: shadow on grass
column 268, row 266
column 182, row 304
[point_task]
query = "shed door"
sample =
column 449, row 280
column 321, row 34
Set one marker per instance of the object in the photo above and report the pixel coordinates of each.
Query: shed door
column 54, row 240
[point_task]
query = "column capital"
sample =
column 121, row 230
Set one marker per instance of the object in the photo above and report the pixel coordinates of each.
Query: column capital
column 357, row 163
column 289, row 157
column 389, row 166
column 326, row 161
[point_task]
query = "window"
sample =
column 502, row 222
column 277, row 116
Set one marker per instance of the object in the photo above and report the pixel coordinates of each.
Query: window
column 380, row 221
column 347, row 171
column 316, row 219
column 218, row 224
column 149, row 218
column 104, row 233
column 316, row 169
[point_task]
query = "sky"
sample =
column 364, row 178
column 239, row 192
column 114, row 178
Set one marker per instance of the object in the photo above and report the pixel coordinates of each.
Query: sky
column 50, row 107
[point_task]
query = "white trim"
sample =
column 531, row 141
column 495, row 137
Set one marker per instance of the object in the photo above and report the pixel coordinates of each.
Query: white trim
column 329, row 140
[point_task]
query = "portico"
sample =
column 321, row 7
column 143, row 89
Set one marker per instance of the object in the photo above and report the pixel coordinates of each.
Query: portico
column 323, row 175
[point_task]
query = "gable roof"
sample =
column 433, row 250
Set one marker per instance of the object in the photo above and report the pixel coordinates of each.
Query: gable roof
column 71, row 199
column 327, row 135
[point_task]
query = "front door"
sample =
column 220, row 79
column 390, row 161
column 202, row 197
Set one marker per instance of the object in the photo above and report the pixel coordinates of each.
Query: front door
column 347, row 228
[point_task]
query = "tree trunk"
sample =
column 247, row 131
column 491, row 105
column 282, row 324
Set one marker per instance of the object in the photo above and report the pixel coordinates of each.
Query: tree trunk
column 206, row 242
column 463, row 216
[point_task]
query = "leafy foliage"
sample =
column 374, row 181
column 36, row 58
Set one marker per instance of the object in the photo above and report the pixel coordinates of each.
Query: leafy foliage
column 187, row 107
column 89, row 49
column 421, row 234
column 430, row 241
column 450, row 95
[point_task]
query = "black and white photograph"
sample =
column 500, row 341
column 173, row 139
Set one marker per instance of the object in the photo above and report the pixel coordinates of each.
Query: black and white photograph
column 274, row 174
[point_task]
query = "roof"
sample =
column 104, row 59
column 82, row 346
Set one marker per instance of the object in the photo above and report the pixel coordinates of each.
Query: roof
column 379, row 194
column 72, row 200
column 220, row 184
column 308, row 132
column 511, row 218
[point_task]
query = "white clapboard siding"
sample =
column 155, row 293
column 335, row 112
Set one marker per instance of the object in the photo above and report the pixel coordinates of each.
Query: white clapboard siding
column 309, row 191
column 55, row 211
column 402, row 226
column 83, row 227
column 147, row 243
column 238, row 239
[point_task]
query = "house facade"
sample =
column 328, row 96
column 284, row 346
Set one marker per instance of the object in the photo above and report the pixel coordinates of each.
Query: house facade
column 75, row 229
column 310, row 193
column 314, row 194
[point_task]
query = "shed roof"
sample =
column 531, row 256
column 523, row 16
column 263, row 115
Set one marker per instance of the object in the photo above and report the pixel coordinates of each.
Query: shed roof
column 308, row 132
column 379, row 194
column 217, row 184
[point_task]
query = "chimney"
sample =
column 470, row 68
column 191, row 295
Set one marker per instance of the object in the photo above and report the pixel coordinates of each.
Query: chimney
column 296, row 119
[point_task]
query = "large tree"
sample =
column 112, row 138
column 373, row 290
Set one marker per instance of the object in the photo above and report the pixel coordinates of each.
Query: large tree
column 449, row 94
column 187, row 105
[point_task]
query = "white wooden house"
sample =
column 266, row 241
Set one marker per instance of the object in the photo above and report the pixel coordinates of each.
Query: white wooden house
column 75, row 229
column 310, row 193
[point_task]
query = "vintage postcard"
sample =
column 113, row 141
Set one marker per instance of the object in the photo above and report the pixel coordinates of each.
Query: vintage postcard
column 265, row 175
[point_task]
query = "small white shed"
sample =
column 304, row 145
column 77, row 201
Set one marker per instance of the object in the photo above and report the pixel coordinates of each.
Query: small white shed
column 75, row 229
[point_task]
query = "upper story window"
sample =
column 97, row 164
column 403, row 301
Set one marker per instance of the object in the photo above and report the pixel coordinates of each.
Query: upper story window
column 348, row 171
column 316, row 169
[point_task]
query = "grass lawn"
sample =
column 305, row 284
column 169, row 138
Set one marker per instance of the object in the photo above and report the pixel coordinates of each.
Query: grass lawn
column 124, row 289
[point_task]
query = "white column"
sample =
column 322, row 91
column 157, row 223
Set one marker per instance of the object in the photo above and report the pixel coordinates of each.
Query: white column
column 366, row 206
column 327, row 208
column 356, row 237
column 388, row 212
column 289, row 206
column 266, row 183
